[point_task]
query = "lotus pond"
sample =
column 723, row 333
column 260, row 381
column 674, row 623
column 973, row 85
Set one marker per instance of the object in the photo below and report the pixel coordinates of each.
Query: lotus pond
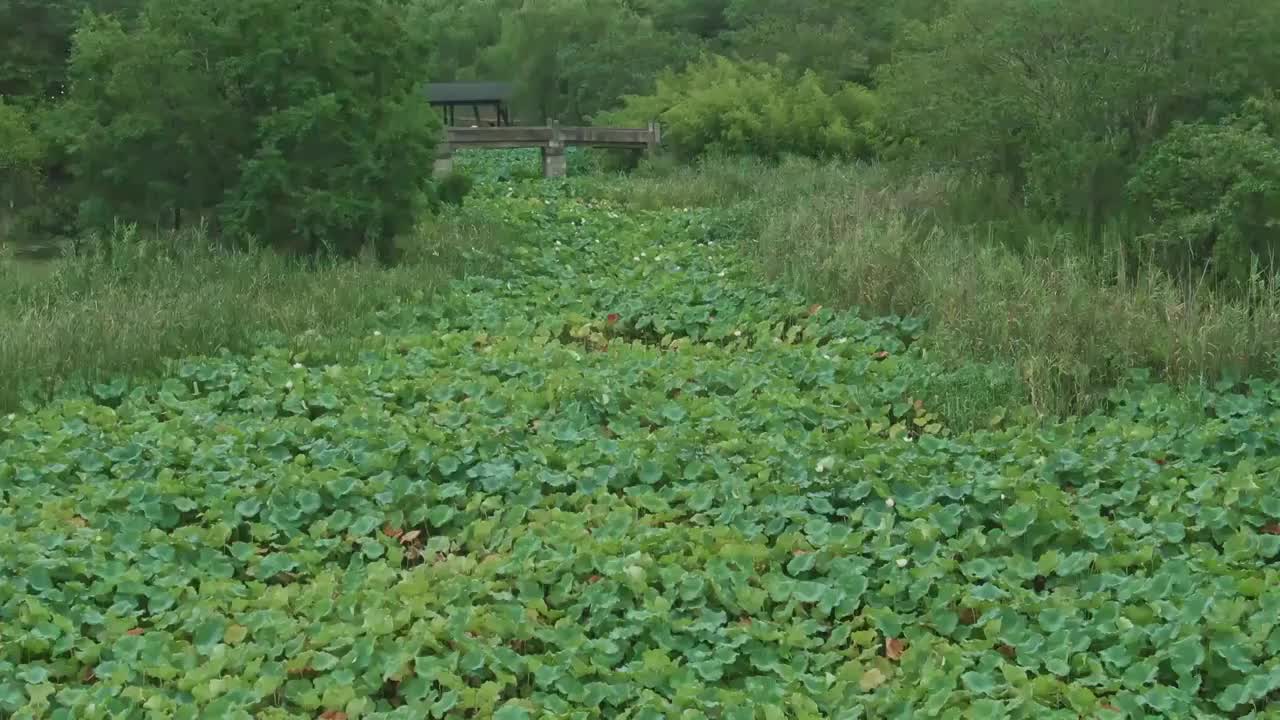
column 627, row 479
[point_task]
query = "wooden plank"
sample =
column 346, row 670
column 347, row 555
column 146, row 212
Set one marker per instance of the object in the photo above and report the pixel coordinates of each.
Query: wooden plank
column 639, row 137
column 500, row 136
column 519, row 137
column 495, row 145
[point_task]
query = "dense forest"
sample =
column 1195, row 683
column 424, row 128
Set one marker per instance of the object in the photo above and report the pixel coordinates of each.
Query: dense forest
column 304, row 124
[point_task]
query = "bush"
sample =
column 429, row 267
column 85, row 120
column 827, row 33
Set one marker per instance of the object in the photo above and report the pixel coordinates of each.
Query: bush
column 301, row 124
column 21, row 155
column 1061, row 98
column 720, row 106
column 454, row 188
column 1214, row 195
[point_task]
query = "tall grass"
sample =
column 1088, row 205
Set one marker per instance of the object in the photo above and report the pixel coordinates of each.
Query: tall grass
column 1072, row 318
column 138, row 301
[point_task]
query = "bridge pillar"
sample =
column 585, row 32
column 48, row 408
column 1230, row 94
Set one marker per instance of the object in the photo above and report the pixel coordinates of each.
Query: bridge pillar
column 554, row 163
column 444, row 161
column 655, row 139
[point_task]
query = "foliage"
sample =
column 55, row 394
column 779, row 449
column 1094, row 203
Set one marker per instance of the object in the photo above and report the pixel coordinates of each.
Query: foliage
column 131, row 301
column 568, row 59
column 576, row 58
column 21, row 158
column 302, row 125
column 720, row 106
column 1059, row 102
column 36, row 37
column 808, row 35
column 1215, row 193
column 456, row 36
column 19, row 147
column 1061, row 98
column 454, row 187
column 700, row 19
column 844, row 40
column 627, row 482
column 1063, row 326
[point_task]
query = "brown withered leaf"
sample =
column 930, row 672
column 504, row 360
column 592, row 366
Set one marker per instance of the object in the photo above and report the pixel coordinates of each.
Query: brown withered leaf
column 893, row 648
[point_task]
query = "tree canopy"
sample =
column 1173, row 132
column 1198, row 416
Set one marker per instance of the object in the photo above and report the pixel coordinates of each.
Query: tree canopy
column 280, row 120
column 302, row 125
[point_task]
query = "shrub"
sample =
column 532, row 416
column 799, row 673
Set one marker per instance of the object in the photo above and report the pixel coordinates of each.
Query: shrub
column 454, row 188
column 299, row 123
column 1061, row 98
column 720, row 106
column 20, row 160
column 1214, row 196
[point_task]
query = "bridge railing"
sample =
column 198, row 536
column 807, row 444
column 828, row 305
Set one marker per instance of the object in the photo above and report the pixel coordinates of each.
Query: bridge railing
column 551, row 139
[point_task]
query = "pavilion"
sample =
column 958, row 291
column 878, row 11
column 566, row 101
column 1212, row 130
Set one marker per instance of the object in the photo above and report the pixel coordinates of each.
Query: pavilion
column 494, row 97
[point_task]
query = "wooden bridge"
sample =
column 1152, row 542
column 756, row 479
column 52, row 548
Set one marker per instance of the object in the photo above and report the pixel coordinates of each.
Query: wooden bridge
column 552, row 139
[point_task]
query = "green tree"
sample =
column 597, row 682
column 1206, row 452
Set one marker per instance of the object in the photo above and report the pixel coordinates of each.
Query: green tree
column 718, row 105
column 300, row 124
column 821, row 36
column 21, row 158
column 36, row 37
column 1061, row 97
column 1213, row 191
column 457, row 34
column 844, row 40
column 704, row 19
column 576, row 58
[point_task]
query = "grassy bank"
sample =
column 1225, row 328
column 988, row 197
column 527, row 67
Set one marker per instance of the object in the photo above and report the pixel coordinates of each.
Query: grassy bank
column 1070, row 319
column 139, row 302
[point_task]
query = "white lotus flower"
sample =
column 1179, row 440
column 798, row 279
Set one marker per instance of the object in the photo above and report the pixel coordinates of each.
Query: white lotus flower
column 902, row 562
